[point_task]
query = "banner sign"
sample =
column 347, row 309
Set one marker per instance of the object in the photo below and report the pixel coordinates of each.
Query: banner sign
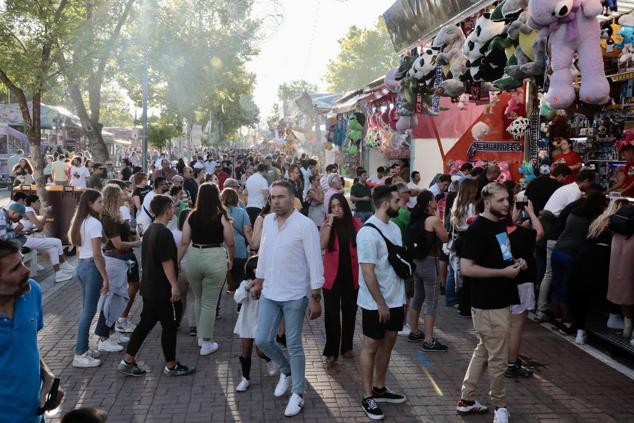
column 496, row 146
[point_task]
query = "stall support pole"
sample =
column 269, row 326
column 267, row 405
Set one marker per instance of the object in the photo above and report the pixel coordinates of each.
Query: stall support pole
column 438, row 140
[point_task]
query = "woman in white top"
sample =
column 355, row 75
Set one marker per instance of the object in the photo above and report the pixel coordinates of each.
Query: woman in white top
column 246, row 325
column 78, row 173
column 85, row 233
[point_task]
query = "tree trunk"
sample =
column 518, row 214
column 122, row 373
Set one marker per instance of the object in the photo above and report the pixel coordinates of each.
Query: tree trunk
column 96, row 144
column 33, row 129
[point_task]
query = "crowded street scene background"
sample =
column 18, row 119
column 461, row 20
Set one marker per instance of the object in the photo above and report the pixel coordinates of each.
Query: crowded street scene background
column 329, row 210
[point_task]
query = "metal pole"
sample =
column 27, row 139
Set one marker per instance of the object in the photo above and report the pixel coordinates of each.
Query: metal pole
column 144, row 118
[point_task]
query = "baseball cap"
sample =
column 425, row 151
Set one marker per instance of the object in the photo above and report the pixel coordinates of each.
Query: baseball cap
column 18, row 208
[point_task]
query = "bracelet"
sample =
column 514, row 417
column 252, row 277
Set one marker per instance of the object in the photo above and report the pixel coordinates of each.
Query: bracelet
column 316, row 297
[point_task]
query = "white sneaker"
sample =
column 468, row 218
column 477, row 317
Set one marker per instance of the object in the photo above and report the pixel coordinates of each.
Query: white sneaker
column 615, row 322
column 243, row 385
column 405, row 332
column 119, row 338
column 581, row 337
column 295, row 405
column 282, row 385
column 63, row 275
column 501, row 415
column 208, row 347
column 271, row 368
column 85, row 360
column 200, row 342
column 109, row 346
column 124, row 325
column 66, row 266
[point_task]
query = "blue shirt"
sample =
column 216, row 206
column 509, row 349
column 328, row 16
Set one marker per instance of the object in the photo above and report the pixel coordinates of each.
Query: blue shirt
column 20, row 358
column 240, row 219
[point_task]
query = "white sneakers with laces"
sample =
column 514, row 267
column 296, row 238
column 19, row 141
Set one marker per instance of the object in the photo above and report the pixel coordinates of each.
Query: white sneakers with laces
column 119, row 338
column 124, row 325
column 108, row 345
column 271, row 368
column 282, row 385
column 208, row 347
column 63, row 275
column 501, row 415
column 85, row 360
column 67, row 267
column 295, row 405
column 243, row 385
column 406, row 331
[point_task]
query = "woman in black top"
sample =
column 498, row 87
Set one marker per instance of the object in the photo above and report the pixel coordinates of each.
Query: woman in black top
column 208, row 228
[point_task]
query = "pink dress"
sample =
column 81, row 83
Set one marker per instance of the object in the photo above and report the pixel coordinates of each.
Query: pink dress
column 621, row 282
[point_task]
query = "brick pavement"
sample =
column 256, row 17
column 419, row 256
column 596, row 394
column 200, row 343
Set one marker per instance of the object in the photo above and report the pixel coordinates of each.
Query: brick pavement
column 568, row 386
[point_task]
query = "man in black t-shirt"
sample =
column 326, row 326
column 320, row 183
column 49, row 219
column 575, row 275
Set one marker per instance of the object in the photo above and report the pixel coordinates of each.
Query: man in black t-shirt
column 487, row 263
column 159, row 289
column 540, row 189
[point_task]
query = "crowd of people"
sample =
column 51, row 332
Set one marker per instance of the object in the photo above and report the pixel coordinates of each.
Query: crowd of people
column 282, row 235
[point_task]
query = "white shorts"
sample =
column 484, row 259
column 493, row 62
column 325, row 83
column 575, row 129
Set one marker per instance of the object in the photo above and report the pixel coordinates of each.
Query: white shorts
column 527, row 298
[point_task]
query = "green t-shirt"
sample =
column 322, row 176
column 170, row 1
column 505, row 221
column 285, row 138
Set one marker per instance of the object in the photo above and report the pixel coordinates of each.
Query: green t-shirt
column 360, row 190
column 403, row 218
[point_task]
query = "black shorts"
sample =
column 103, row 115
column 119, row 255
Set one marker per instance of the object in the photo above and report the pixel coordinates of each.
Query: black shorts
column 374, row 329
column 443, row 257
column 133, row 273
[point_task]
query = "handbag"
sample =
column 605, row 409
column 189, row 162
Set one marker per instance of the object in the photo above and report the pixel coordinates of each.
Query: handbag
column 397, row 257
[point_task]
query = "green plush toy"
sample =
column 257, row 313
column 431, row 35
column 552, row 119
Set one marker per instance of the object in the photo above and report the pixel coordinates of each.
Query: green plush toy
column 355, row 126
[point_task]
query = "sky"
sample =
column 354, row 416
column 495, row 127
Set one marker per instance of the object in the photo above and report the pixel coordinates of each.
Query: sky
column 302, row 45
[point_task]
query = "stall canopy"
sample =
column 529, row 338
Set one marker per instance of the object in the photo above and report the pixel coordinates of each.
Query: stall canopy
column 14, row 133
column 413, row 21
column 49, row 115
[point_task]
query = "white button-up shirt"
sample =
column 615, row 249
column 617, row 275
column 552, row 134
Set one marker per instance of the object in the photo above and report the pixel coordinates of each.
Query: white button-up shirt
column 290, row 258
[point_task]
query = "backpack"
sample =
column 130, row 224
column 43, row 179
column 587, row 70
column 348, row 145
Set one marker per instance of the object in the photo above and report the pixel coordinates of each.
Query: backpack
column 397, row 257
column 622, row 222
column 415, row 239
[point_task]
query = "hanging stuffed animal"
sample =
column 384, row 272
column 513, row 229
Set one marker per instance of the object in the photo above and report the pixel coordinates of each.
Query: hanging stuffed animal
column 355, row 126
column 571, row 26
column 518, row 128
column 610, row 39
column 449, row 42
column 528, row 173
column 471, row 50
column 493, row 56
column 505, row 172
column 480, row 130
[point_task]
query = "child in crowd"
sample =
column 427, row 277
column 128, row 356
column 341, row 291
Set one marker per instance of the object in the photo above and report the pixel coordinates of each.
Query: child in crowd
column 246, row 325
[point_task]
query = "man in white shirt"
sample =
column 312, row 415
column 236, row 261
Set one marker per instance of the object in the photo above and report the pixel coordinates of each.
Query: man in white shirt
column 330, row 169
column 441, row 185
column 210, row 164
column 378, row 179
column 289, row 277
column 78, row 173
column 381, row 298
column 308, row 170
column 257, row 188
column 415, row 187
column 556, row 203
column 144, row 215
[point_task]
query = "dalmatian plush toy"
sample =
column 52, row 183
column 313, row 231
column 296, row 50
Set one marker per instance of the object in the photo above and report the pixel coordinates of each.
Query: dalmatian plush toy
column 518, row 128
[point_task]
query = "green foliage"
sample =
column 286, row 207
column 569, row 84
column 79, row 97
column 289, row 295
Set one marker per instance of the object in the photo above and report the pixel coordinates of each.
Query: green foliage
column 364, row 55
column 160, row 132
column 289, row 91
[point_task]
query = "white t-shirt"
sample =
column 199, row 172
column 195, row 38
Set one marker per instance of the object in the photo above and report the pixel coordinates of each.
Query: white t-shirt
column 125, row 213
column 78, row 176
column 255, row 186
column 90, row 228
column 178, row 236
column 371, row 248
column 143, row 217
column 27, row 225
column 412, row 198
column 562, row 197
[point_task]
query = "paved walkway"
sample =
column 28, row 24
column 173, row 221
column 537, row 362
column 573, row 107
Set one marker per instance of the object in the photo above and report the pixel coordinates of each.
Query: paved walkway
column 569, row 385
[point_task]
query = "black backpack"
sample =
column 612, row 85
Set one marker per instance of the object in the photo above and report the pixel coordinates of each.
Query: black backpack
column 622, row 222
column 397, row 256
column 415, row 239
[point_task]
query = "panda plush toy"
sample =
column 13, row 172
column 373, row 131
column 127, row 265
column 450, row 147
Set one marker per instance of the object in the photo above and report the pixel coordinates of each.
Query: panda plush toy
column 493, row 57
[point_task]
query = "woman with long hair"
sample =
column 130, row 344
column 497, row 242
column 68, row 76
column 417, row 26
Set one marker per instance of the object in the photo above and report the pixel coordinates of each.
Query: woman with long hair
column 315, row 200
column 208, row 228
column 242, row 232
column 338, row 237
column 117, row 251
column 566, row 249
column 257, row 225
column 23, row 172
column 85, row 233
column 427, row 230
column 591, row 269
column 463, row 212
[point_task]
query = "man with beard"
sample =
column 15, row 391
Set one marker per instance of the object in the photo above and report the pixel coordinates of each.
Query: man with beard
column 145, row 216
column 381, row 298
column 487, row 263
column 26, row 379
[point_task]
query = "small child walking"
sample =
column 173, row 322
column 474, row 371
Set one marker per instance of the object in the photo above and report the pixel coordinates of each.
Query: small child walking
column 246, row 325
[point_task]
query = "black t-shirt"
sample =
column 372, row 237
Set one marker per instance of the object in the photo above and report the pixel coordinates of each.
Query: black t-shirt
column 141, row 192
column 523, row 245
column 158, row 246
column 488, row 245
column 540, row 190
column 126, row 173
column 111, row 229
column 361, row 190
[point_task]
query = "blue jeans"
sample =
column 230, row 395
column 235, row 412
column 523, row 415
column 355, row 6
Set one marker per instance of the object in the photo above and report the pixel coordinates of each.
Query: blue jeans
column 90, row 284
column 561, row 263
column 451, row 299
column 269, row 316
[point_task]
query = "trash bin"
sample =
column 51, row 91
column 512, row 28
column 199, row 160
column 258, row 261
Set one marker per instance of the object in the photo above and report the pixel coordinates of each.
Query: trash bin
column 63, row 201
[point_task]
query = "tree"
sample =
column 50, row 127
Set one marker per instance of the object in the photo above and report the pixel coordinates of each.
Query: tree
column 160, row 132
column 31, row 34
column 289, row 91
column 84, row 62
column 364, row 55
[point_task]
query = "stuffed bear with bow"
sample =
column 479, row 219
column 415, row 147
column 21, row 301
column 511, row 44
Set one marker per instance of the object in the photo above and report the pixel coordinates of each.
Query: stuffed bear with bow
column 571, row 27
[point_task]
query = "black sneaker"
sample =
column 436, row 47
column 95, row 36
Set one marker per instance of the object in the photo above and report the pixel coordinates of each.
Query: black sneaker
column 371, row 409
column 192, row 331
column 130, row 369
column 281, row 340
column 416, row 337
column 434, row 346
column 178, row 370
column 515, row 370
column 385, row 395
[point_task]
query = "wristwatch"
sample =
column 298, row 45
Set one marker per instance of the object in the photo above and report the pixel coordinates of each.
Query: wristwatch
column 316, row 297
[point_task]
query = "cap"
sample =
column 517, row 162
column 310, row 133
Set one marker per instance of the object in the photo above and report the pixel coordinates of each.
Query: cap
column 18, row 208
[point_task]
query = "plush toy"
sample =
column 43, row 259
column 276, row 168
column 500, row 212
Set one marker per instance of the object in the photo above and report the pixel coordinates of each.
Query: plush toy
column 571, row 26
column 390, row 81
column 518, row 127
column 528, row 173
column 450, row 41
column 512, row 108
column 626, row 31
column 355, row 126
column 493, row 56
column 480, row 130
column 628, row 137
column 505, row 172
column 471, row 50
column 544, row 169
